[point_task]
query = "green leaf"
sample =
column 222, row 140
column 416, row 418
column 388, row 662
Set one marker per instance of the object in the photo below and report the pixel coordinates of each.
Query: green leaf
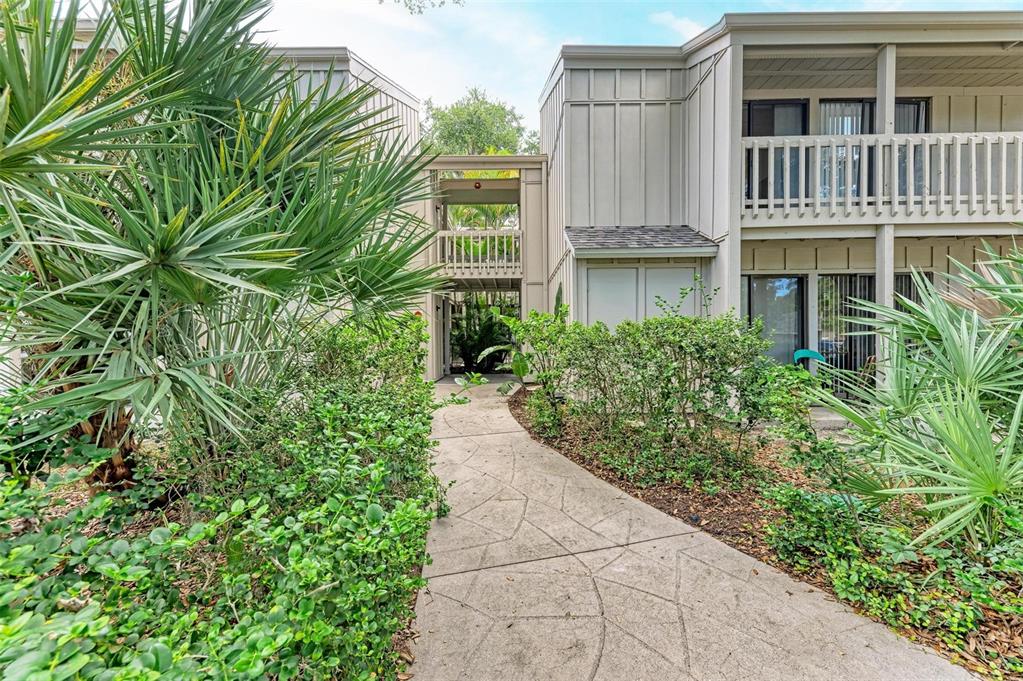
column 374, row 514
column 160, row 535
column 520, row 366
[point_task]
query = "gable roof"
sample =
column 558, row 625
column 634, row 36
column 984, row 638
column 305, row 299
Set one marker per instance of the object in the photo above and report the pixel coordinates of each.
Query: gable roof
column 636, row 242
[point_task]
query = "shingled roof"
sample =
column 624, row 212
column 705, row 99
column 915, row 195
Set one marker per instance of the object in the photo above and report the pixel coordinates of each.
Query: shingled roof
column 659, row 241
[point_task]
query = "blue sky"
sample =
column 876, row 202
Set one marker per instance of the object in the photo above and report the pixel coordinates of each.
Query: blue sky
column 508, row 47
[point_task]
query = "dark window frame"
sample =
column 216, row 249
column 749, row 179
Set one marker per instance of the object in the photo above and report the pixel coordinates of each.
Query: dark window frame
column 747, row 130
column 928, row 110
column 747, row 120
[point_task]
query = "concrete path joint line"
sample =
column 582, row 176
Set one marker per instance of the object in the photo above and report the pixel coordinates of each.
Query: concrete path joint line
column 569, row 554
column 471, row 435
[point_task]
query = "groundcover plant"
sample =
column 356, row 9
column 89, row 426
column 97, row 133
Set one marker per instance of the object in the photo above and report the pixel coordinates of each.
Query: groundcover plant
column 216, row 441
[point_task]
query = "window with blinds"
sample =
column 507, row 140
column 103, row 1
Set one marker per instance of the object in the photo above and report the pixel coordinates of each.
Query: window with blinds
column 845, row 342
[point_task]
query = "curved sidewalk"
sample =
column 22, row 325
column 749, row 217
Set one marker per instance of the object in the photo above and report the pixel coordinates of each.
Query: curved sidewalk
column 543, row 571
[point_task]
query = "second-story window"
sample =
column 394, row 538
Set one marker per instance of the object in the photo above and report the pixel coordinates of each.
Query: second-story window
column 843, row 117
column 774, row 118
column 847, row 117
column 912, row 116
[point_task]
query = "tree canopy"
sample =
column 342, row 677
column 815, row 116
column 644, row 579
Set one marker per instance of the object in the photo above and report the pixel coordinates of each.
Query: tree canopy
column 476, row 124
column 417, row 6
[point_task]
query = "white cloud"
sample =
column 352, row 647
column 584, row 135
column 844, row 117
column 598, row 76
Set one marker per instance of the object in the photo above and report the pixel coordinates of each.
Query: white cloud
column 685, row 27
column 502, row 48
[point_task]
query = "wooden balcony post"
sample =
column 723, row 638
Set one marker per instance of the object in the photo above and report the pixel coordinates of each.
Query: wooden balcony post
column 884, row 109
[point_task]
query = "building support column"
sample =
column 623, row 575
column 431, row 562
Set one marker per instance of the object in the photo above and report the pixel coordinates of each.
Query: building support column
column 884, row 285
column 884, row 242
column 884, row 109
column 813, row 322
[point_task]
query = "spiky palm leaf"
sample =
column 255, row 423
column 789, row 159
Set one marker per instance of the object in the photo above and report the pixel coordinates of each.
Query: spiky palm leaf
column 188, row 261
column 943, row 423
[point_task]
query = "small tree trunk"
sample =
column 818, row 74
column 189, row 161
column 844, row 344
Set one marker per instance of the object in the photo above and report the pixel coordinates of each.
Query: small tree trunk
column 117, row 472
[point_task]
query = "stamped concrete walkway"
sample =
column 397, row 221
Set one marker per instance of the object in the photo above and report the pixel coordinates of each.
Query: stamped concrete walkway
column 545, row 572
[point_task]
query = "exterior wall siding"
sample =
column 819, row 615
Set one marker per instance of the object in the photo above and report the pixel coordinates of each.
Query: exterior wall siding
column 345, row 70
column 857, row 255
column 624, row 146
column 553, row 126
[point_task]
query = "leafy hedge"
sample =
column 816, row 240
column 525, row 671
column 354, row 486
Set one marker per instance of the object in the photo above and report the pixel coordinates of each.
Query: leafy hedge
column 296, row 554
column 664, row 399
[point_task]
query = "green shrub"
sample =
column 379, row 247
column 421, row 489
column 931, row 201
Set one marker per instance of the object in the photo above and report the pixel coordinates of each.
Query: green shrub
column 296, row 556
column 816, row 527
column 546, row 417
column 184, row 209
column 535, row 350
column 670, row 396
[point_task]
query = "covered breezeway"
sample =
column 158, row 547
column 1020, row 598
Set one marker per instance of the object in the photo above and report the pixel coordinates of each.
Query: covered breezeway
column 490, row 220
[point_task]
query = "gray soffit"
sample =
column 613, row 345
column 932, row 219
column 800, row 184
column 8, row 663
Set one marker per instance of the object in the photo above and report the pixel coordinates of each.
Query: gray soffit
column 639, row 242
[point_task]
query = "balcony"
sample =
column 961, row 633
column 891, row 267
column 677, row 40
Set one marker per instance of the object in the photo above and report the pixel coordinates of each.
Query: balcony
column 486, row 255
column 883, row 179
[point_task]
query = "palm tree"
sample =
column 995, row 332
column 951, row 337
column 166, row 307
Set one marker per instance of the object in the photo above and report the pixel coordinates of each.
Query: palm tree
column 184, row 213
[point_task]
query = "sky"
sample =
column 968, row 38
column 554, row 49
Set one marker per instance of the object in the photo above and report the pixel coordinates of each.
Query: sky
column 508, row 47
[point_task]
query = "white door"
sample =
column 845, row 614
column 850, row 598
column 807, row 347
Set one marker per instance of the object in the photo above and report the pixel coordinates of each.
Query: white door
column 611, row 294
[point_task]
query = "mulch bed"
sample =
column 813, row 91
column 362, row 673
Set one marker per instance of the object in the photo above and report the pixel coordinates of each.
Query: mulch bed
column 739, row 517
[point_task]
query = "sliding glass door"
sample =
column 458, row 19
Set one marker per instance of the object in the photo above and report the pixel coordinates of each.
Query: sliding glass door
column 842, row 117
column 842, row 339
column 781, row 302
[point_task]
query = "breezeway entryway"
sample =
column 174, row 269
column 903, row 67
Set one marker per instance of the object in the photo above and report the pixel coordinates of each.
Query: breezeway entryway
column 542, row 571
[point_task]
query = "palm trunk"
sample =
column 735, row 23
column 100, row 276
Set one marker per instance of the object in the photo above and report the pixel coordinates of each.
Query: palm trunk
column 117, row 472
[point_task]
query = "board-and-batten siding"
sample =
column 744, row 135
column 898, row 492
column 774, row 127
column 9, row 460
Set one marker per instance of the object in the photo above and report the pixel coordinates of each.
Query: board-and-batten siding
column 393, row 104
column 857, row 255
column 623, row 128
column 709, row 137
column 976, row 113
column 552, row 143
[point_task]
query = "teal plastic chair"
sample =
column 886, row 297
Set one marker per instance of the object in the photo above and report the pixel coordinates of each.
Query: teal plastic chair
column 800, row 355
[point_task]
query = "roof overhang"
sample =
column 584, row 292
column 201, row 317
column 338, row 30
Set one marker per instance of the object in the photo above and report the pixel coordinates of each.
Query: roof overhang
column 344, row 59
column 654, row 252
column 491, row 162
column 655, row 241
column 874, row 28
column 464, row 191
column 920, row 33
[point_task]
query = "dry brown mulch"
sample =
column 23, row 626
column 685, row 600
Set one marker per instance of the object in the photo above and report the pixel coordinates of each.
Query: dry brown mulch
column 740, row 516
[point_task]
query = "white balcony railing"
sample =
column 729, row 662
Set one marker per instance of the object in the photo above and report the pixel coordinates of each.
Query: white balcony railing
column 949, row 177
column 490, row 253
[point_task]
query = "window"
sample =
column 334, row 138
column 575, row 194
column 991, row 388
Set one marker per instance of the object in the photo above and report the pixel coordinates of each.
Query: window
column 781, row 302
column 774, row 119
column 912, row 116
column 847, row 117
column 840, row 338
